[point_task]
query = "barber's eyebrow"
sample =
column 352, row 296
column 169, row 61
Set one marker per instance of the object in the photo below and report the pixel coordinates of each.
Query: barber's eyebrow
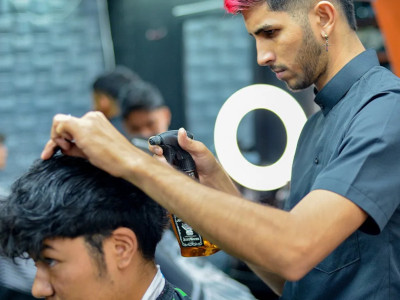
column 262, row 28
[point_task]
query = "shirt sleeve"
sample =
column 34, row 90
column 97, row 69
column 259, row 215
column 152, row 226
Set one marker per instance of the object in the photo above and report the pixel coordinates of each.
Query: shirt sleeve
column 367, row 168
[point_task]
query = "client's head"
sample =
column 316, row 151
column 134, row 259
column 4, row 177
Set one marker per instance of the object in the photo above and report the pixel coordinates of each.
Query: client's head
column 92, row 235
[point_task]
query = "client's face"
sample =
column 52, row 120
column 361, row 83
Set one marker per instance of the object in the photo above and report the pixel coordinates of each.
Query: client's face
column 67, row 271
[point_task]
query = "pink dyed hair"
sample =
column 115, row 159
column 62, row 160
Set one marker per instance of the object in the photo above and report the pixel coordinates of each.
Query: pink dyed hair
column 236, row 6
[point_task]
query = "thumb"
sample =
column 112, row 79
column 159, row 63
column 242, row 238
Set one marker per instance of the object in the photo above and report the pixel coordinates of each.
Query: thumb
column 185, row 142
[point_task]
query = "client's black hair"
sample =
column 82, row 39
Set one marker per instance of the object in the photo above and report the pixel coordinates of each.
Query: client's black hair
column 68, row 197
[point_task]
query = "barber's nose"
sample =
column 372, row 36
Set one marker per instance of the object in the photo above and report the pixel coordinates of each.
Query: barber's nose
column 265, row 57
column 41, row 287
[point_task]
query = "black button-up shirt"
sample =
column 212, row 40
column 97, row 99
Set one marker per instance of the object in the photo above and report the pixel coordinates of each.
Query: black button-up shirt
column 352, row 147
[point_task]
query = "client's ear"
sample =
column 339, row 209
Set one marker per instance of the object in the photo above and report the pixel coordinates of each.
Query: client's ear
column 125, row 246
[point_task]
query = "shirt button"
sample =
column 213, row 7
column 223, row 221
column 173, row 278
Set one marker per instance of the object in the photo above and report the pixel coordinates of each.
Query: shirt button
column 316, row 161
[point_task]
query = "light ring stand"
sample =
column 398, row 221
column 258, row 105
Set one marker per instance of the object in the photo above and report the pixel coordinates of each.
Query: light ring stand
column 258, row 96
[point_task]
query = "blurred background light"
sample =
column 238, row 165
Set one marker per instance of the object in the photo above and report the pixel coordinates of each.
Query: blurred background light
column 259, row 96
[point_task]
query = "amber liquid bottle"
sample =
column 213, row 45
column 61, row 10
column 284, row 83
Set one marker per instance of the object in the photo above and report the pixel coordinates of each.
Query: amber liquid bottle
column 190, row 242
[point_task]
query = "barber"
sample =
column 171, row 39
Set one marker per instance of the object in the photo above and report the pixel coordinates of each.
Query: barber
column 339, row 236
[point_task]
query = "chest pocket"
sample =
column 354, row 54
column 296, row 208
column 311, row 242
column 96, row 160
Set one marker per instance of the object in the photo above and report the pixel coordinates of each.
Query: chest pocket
column 343, row 256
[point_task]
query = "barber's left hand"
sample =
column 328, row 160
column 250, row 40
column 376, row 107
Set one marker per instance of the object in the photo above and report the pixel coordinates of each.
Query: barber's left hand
column 94, row 138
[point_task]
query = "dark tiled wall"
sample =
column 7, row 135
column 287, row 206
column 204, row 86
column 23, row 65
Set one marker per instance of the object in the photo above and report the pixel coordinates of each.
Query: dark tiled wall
column 50, row 52
column 217, row 63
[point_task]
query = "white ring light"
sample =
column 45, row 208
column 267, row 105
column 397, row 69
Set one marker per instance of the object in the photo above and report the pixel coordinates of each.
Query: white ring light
column 258, row 96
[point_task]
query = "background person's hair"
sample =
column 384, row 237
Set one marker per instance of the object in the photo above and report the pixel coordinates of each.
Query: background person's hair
column 68, row 197
column 291, row 6
column 140, row 95
column 111, row 83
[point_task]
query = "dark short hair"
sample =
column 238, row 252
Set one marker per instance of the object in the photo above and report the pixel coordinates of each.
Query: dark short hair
column 141, row 95
column 68, row 197
column 111, row 83
column 2, row 138
column 236, row 6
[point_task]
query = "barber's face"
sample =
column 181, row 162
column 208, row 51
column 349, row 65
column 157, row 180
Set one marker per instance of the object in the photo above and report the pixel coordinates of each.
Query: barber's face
column 286, row 45
column 146, row 123
column 3, row 156
column 68, row 272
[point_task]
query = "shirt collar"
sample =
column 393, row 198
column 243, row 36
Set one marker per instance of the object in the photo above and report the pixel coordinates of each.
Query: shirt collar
column 340, row 84
column 156, row 286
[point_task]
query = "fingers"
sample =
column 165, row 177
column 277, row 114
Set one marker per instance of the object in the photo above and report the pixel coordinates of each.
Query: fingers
column 67, row 126
column 157, row 150
column 61, row 136
column 66, row 147
column 49, row 150
column 61, row 126
column 158, row 153
column 63, row 143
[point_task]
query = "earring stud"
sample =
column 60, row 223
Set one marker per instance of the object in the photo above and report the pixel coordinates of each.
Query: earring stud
column 326, row 42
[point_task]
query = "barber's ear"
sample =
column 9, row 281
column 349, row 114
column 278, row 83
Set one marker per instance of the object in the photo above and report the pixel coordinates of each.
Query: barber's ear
column 125, row 246
column 325, row 14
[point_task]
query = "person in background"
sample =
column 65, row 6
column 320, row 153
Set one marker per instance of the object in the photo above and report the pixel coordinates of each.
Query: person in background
column 107, row 89
column 92, row 236
column 144, row 112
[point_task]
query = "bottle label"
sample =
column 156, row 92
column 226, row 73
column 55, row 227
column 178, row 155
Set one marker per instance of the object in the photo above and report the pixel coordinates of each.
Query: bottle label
column 187, row 236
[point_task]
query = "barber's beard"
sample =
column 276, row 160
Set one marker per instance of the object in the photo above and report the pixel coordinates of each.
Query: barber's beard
column 310, row 59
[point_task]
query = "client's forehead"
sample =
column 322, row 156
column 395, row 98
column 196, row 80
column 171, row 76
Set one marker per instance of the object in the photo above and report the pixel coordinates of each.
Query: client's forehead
column 62, row 244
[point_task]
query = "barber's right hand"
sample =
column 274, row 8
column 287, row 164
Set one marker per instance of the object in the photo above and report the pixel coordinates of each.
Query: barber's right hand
column 208, row 168
column 95, row 138
column 205, row 161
